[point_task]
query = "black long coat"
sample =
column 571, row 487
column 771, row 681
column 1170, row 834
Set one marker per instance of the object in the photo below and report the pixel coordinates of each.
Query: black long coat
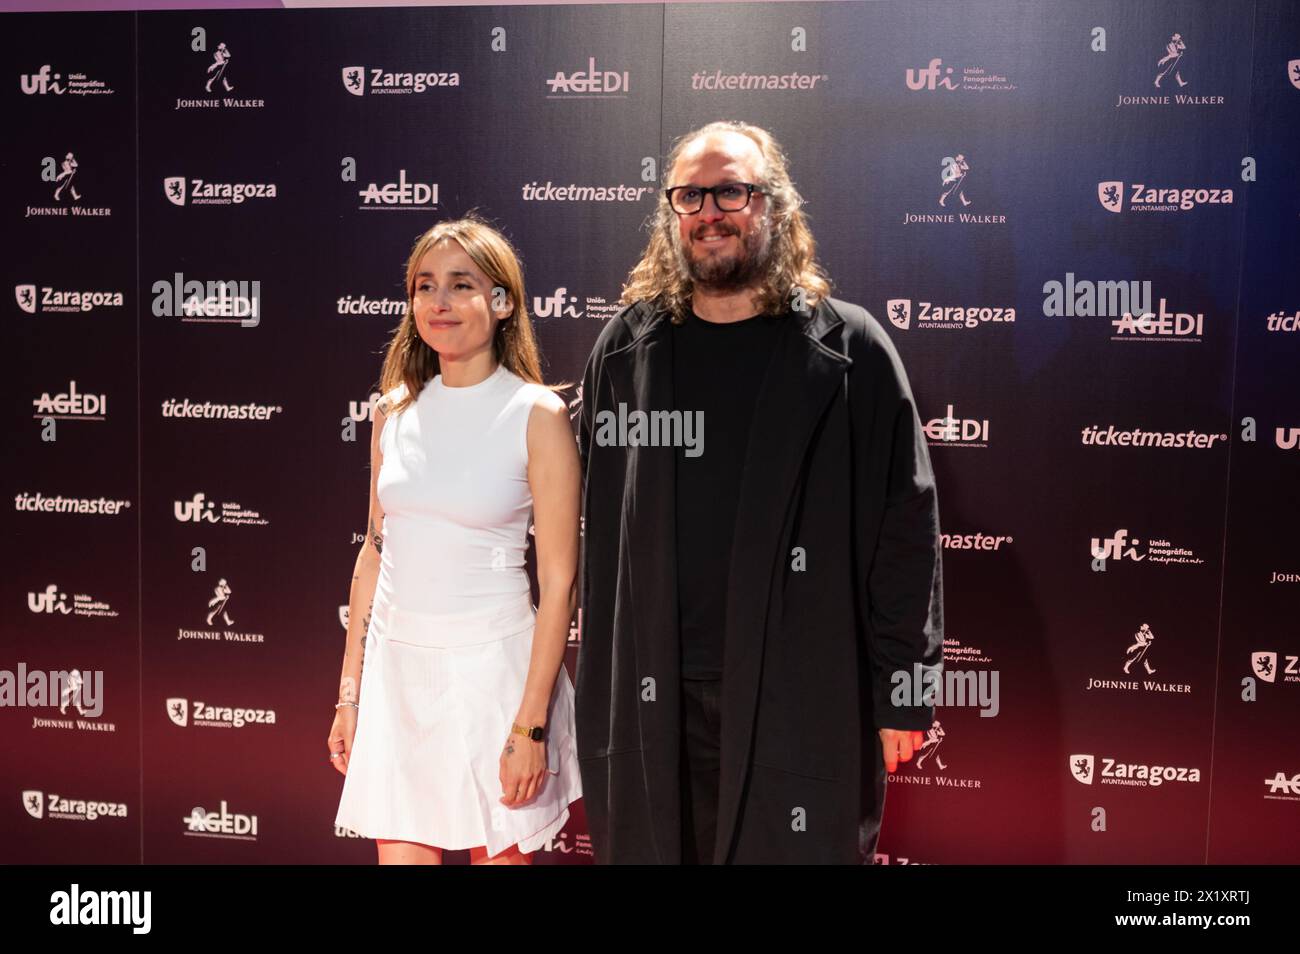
column 837, row 464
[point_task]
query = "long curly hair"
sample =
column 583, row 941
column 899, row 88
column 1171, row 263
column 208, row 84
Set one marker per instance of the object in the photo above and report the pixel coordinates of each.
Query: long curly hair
column 410, row 361
column 660, row 277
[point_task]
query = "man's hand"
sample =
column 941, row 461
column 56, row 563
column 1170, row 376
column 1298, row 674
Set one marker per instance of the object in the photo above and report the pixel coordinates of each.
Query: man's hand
column 898, row 746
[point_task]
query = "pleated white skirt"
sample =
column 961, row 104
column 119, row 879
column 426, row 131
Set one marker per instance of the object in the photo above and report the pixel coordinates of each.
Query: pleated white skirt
column 438, row 696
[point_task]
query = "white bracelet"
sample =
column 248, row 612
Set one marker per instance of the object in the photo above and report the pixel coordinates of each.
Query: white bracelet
column 340, row 705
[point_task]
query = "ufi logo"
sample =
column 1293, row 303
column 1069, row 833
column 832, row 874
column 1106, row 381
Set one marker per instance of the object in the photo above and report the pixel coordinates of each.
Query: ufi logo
column 198, row 508
column 1120, row 547
column 364, row 410
column 969, row 77
column 45, row 83
column 559, row 305
column 50, row 600
column 42, row 82
column 1116, row 547
column 931, row 77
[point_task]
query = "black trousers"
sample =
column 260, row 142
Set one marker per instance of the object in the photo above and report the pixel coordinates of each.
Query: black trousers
column 701, row 767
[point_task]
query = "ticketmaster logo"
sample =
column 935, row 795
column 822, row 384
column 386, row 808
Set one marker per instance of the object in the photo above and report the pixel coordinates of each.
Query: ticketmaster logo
column 1095, row 436
column 718, row 80
column 532, row 192
column 39, row 503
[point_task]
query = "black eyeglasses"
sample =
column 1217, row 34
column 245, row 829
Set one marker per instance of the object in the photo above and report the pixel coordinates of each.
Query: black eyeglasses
column 729, row 196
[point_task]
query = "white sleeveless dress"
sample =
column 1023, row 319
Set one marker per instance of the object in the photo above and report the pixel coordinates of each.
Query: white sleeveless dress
column 451, row 632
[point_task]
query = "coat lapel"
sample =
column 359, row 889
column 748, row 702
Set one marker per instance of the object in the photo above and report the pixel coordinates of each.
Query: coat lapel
column 802, row 378
column 641, row 376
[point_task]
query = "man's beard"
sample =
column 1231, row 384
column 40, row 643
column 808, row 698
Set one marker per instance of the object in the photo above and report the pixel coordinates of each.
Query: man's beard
column 728, row 273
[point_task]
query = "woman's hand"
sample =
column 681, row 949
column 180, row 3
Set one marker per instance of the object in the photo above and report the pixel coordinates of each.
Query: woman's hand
column 340, row 740
column 523, row 770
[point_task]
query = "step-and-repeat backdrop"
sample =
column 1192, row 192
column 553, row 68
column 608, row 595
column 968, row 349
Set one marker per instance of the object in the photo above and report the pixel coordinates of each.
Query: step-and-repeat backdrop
column 1076, row 221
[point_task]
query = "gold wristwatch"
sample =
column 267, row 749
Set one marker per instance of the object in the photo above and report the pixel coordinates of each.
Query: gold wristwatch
column 536, row 732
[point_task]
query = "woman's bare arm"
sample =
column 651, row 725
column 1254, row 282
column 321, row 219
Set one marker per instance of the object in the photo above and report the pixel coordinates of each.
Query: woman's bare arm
column 365, row 575
column 554, row 477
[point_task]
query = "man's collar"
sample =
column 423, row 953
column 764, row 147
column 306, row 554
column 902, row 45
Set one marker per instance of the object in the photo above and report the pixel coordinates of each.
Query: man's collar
column 649, row 317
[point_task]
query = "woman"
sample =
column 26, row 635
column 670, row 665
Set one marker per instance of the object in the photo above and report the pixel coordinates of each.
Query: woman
column 454, row 725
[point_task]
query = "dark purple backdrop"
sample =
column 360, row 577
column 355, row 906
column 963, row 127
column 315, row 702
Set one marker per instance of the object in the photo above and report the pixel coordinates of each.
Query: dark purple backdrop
column 1022, row 91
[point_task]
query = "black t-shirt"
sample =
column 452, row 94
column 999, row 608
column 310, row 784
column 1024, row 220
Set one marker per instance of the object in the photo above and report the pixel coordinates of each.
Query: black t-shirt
column 718, row 369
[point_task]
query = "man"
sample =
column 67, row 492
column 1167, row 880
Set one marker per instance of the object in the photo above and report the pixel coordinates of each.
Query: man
column 746, row 607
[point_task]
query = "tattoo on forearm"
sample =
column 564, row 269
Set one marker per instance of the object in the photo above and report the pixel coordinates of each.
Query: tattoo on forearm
column 365, row 630
column 376, row 538
column 348, row 690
